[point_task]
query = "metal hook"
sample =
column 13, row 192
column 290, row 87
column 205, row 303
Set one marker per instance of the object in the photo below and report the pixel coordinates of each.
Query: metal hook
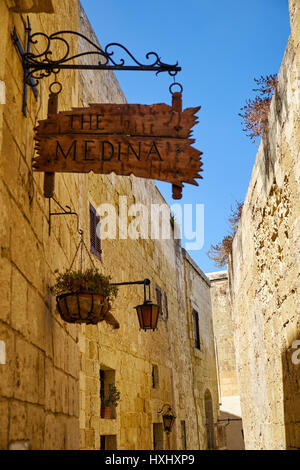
column 56, row 82
column 174, row 84
column 59, row 88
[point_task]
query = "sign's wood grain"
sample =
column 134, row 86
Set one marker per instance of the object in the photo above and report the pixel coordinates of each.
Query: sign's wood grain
column 125, row 119
column 146, row 141
column 171, row 160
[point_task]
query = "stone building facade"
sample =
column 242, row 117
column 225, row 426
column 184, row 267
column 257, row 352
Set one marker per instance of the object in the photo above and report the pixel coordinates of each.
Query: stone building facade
column 203, row 359
column 53, row 374
column 264, row 273
column 230, row 421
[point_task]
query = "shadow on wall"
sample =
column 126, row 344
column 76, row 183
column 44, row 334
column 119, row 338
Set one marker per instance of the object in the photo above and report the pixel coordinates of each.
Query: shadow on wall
column 291, row 393
column 209, row 421
column 230, row 432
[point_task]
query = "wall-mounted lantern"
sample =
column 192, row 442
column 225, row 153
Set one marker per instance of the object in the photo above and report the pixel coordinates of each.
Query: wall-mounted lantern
column 168, row 416
column 148, row 311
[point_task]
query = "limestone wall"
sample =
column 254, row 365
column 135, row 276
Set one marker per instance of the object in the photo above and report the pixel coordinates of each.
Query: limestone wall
column 50, row 385
column 265, row 271
column 131, row 353
column 203, row 359
column 226, row 361
column 30, row 6
column 223, row 330
column 40, row 380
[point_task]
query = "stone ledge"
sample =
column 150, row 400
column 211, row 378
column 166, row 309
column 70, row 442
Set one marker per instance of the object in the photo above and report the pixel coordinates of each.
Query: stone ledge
column 195, row 266
column 217, row 276
column 30, row 6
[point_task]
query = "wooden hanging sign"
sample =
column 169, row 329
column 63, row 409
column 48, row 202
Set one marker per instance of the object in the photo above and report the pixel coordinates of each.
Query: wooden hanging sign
column 148, row 141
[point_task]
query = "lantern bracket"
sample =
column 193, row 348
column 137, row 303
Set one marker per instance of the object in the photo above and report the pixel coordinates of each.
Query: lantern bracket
column 42, row 63
column 145, row 282
column 148, row 311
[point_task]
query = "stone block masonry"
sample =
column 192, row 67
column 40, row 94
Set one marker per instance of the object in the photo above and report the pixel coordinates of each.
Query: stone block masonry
column 39, row 378
column 30, row 6
column 264, row 270
column 55, row 373
column 226, row 362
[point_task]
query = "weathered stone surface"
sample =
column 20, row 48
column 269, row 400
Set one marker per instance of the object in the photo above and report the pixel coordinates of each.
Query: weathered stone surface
column 17, row 428
column 264, row 271
column 35, row 426
column 226, row 362
column 202, row 361
column 2, row 92
column 28, row 257
column 4, row 423
column 30, row 6
column 50, row 387
column 134, row 352
column 7, row 370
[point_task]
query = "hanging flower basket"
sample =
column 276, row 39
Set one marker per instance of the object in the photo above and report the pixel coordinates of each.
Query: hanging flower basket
column 85, row 297
column 82, row 307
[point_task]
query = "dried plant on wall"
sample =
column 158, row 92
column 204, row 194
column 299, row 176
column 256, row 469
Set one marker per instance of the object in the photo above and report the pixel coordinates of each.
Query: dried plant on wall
column 256, row 111
column 219, row 253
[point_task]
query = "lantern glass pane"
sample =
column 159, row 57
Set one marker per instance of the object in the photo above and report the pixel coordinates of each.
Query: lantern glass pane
column 155, row 312
column 146, row 312
column 168, row 420
column 147, row 315
column 139, row 313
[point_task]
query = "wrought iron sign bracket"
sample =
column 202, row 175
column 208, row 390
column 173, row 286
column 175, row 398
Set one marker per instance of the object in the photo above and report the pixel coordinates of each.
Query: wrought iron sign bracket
column 28, row 81
column 43, row 63
column 65, row 211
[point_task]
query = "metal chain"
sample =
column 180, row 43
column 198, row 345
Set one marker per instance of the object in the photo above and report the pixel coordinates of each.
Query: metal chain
column 77, row 249
column 91, row 259
column 82, row 245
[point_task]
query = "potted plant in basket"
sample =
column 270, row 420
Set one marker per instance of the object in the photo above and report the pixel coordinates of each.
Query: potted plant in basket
column 84, row 296
column 110, row 403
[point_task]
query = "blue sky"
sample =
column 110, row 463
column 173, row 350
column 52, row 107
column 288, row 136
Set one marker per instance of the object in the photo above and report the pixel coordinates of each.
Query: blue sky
column 221, row 46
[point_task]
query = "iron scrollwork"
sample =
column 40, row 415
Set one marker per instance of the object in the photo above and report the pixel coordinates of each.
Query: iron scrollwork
column 38, row 65
column 42, row 64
